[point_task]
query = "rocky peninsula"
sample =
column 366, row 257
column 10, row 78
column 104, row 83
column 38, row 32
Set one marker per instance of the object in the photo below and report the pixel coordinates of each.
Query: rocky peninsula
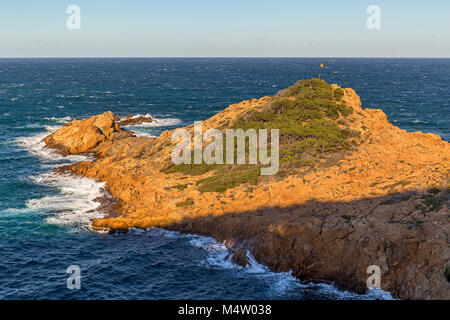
column 352, row 191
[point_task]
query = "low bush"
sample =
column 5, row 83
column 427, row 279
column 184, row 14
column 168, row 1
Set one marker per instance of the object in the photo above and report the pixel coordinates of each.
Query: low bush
column 307, row 116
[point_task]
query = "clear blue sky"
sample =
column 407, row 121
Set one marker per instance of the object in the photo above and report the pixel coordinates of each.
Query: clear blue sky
column 225, row 28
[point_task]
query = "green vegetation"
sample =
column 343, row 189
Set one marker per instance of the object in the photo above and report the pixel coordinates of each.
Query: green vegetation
column 346, row 217
column 338, row 93
column 435, row 203
column 191, row 169
column 180, row 186
column 401, row 183
column 307, row 116
column 228, row 176
column 187, row 202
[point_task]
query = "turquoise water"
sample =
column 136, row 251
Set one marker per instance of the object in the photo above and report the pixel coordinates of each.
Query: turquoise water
column 44, row 217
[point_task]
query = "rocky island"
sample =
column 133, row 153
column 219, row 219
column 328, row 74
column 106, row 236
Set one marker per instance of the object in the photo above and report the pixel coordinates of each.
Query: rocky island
column 352, row 190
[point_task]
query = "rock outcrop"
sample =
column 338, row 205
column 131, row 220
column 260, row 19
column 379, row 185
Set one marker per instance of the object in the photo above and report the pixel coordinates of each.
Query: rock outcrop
column 130, row 120
column 82, row 136
column 385, row 202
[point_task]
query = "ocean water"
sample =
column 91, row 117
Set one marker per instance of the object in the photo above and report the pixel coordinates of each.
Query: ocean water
column 44, row 216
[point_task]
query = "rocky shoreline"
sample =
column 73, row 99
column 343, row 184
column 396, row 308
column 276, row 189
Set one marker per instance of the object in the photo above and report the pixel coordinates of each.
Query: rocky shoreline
column 384, row 202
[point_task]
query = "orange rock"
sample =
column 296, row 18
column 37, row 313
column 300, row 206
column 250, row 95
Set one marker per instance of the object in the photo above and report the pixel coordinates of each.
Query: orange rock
column 81, row 136
column 369, row 207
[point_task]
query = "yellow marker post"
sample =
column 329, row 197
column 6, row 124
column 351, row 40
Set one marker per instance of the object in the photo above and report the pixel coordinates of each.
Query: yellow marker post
column 321, row 66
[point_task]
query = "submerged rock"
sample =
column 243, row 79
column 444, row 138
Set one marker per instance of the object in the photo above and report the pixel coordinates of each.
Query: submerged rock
column 130, row 120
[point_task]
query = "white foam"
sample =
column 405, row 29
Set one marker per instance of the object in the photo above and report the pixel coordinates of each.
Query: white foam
column 280, row 283
column 217, row 253
column 60, row 120
column 74, row 203
column 161, row 233
column 14, row 211
column 29, row 126
column 164, row 122
column 143, row 134
column 138, row 115
column 36, row 146
column 51, row 129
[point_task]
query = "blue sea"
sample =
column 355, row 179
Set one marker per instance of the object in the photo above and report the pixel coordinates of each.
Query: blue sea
column 44, row 216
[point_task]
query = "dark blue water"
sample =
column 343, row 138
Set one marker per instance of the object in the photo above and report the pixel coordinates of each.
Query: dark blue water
column 44, row 217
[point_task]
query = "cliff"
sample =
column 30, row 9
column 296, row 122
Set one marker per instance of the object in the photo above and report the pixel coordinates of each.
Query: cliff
column 352, row 191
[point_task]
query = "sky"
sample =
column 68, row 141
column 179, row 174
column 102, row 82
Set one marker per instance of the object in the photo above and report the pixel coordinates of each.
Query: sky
column 225, row 28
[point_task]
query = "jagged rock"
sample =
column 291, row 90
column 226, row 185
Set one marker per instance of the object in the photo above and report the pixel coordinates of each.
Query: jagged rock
column 236, row 253
column 82, row 136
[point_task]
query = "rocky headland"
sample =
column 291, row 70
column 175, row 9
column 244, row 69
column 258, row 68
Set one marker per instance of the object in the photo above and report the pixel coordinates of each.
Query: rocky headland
column 352, row 190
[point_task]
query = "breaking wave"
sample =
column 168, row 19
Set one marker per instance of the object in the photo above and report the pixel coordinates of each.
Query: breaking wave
column 35, row 145
column 279, row 283
column 157, row 122
column 74, row 204
column 60, row 120
column 145, row 129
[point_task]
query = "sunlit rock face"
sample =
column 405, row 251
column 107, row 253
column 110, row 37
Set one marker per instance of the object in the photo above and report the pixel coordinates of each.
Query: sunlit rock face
column 384, row 201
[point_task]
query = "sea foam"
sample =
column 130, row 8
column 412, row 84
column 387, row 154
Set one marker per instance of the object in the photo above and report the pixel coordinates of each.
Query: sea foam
column 163, row 122
column 279, row 282
column 74, row 202
column 60, row 120
column 35, row 145
column 139, row 129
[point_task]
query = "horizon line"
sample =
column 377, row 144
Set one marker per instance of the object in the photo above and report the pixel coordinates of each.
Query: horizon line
column 223, row 57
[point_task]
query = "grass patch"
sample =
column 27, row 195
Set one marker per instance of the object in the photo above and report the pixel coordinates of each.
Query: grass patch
column 180, row 186
column 187, row 202
column 229, row 177
column 435, row 203
column 190, row 169
column 338, row 94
